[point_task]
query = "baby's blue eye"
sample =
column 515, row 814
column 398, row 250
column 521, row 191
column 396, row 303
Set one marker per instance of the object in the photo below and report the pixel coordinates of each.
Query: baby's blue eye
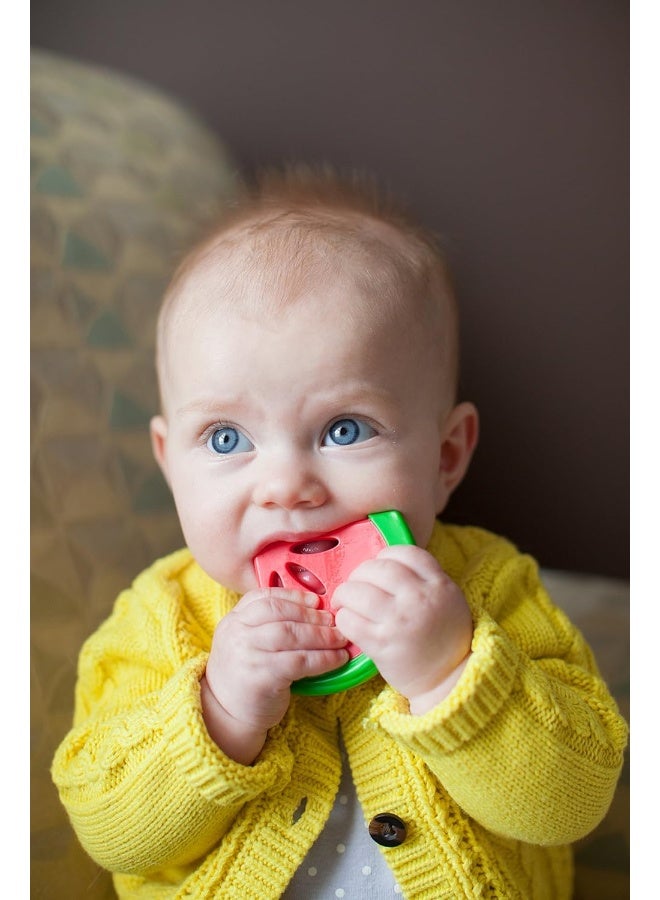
column 228, row 440
column 347, row 431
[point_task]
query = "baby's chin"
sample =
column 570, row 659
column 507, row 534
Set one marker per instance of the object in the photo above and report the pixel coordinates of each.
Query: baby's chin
column 240, row 582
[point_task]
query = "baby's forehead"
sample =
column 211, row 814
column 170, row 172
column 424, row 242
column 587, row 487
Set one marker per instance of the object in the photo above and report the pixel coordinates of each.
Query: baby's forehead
column 281, row 253
column 266, row 264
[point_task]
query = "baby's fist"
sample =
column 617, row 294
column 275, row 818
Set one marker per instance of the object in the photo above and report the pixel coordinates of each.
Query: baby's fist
column 405, row 612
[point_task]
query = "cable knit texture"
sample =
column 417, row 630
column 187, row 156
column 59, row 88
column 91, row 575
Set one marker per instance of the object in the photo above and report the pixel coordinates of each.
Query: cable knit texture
column 521, row 759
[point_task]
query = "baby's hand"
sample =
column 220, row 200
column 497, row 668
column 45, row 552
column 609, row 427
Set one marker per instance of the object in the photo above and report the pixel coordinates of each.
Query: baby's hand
column 404, row 612
column 271, row 638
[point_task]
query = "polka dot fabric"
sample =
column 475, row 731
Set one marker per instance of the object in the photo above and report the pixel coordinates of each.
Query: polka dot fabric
column 344, row 862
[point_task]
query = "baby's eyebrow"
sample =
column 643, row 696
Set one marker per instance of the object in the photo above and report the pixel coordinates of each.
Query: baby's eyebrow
column 358, row 397
column 211, row 406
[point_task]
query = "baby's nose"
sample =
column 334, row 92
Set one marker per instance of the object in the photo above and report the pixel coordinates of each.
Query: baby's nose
column 289, row 484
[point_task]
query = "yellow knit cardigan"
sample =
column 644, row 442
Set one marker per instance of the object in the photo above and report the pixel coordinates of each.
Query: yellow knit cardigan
column 521, row 759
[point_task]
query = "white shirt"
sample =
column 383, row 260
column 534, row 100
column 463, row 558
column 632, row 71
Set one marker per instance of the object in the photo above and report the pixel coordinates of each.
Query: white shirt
column 344, row 862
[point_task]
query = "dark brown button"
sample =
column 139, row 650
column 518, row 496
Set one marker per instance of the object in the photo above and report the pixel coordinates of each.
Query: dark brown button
column 387, row 830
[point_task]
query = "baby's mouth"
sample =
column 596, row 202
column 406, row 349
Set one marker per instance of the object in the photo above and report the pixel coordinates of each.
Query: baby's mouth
column 302, row 542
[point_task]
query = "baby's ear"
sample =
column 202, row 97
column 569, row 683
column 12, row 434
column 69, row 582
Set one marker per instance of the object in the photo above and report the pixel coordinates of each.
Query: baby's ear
column 459, row 439
column 158, row 431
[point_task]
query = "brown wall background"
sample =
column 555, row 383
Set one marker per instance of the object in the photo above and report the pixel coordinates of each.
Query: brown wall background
column 505, row 125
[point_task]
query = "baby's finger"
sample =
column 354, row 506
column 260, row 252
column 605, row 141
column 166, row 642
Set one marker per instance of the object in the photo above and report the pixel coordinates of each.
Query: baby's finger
column 398, row 567
column 387, row 575
column 414, row 558
column 365, row 633
column 291, row 635
column 309, row 663
column 362, row 598
column 279, row 605
column 304, row 598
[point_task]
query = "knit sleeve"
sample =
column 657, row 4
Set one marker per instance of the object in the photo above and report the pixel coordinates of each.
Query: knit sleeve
column 530, row 742
column 143, row 784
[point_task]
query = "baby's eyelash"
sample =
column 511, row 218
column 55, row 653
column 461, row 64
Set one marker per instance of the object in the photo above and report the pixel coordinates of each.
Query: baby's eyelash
column 359, row 417
column 215, row 426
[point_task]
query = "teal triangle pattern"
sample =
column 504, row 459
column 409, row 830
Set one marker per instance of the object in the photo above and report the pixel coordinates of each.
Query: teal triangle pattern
column 81, row 254
column 133, row 472
column 108, row 331
column 153, row 495
column 59, row 181
column 126, row 413
column 38, row 128
column 82, row 306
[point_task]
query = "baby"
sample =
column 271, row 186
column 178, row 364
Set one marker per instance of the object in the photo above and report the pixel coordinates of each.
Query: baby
column 307, row 358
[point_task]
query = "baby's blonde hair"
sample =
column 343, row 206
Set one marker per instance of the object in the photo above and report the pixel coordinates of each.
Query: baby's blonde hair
column 299, row 225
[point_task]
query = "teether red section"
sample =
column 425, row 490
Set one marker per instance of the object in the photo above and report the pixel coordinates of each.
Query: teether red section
column 319, row 565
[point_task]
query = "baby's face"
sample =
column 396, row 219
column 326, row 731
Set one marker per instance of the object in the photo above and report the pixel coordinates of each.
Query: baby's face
column 285, row 428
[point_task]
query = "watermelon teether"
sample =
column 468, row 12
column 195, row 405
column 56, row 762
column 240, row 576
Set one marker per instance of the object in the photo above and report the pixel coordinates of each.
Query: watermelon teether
column 320, row 565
